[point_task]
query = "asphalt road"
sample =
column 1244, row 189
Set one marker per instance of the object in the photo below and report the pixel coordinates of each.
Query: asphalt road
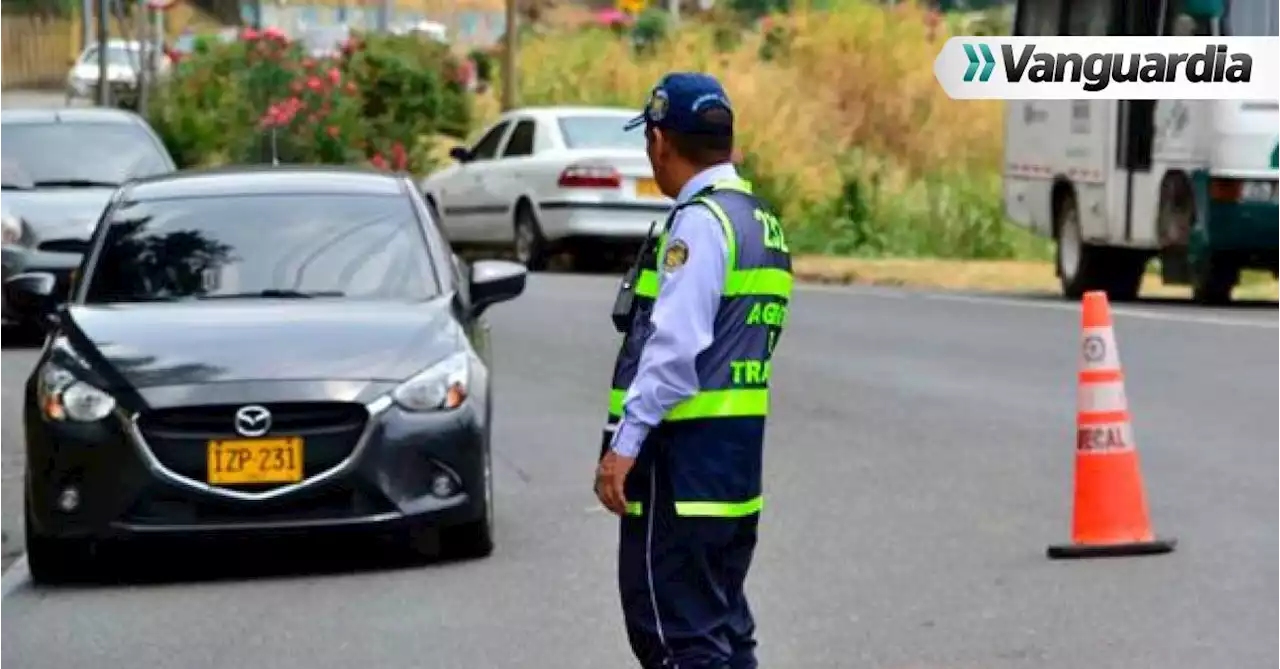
column 919, row 462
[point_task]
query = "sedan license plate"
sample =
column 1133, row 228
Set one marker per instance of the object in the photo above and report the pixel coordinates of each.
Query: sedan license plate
column 648, row 188
column 238, row 461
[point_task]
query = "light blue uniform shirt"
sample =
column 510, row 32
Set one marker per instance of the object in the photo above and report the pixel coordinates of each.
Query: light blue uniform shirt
column 683, row 317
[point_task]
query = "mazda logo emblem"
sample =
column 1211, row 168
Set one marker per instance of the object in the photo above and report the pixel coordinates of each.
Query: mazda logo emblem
column 253, row 420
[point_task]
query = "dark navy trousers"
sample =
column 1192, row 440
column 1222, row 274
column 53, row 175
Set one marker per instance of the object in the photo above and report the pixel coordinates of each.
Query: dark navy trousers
column 681, row 578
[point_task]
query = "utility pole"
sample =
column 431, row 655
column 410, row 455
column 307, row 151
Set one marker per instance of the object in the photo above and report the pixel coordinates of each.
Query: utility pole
column 509, row 59
column 104, row 31
column 385, row 13
column 86, row 24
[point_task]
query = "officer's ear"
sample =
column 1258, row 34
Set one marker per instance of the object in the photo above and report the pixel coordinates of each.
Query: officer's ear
column 657, row 143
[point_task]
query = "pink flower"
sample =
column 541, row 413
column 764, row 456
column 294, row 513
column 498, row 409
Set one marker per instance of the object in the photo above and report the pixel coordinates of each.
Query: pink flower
column 351, row 87
column 378, row 161
column 314, row 83
column 398, row 156
column 335, row 76
column 308, row 63
column 248, row 34
column 296, row 87
column 274, row 33
column 333, row 131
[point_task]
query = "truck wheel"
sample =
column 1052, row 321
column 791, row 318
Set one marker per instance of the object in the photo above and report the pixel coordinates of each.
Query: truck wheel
column 1125, row 269
column 1213, row 280
column 1080, row 265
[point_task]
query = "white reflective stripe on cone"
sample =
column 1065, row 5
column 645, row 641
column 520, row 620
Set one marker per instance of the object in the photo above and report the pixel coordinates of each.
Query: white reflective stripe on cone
column 1103, row 396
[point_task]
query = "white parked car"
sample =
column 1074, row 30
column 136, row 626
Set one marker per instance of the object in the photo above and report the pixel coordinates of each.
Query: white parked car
column 124, row 63
column 545, row 179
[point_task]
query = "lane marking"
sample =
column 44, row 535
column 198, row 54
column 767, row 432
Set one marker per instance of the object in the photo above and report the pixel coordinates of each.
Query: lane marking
column 17, row 575
column 1115, row 310
column 894, row 293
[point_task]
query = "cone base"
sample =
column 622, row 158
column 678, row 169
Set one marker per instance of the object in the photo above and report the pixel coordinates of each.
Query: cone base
column 1077, row 551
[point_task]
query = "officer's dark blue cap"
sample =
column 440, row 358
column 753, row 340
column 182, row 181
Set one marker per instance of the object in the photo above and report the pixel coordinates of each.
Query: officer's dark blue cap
column 679, row 103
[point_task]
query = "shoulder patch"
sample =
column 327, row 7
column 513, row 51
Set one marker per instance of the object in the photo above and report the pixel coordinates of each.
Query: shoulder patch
column 677, row 255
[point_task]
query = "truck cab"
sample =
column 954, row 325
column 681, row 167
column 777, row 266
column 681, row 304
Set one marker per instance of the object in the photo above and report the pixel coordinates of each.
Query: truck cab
column 1118, row 182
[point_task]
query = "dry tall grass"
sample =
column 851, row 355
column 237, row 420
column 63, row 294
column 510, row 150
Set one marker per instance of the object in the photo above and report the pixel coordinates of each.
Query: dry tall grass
column 850, row 98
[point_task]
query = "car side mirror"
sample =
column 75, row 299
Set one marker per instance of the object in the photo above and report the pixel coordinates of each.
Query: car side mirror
column 460, row 153
column 494, row 281
column 32, row 295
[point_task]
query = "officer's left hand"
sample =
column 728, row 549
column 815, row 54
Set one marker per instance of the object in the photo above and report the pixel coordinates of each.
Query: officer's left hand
column 611, row 476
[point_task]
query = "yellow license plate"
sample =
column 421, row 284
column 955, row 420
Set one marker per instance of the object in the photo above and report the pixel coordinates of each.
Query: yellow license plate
column 237, row 461
column 648, row 188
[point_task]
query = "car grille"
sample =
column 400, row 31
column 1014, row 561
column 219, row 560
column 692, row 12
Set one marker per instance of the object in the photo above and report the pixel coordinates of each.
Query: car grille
column 179, row 436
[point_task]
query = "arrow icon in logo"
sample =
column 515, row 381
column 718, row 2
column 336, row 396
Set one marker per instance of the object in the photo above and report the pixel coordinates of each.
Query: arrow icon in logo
column 974, row 61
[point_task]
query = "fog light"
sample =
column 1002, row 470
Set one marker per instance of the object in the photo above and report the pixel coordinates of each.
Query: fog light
column 69, row 499
column 442, row 485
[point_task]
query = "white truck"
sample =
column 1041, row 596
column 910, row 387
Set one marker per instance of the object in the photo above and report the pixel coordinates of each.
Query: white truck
column 1118, row 182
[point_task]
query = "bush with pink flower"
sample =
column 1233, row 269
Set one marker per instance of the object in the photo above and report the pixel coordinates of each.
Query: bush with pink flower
column 379, row 101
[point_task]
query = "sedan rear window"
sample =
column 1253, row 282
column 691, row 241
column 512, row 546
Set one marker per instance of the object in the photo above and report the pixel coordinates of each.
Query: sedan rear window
column 251, row 246
column 93, row 154
column 599, row 132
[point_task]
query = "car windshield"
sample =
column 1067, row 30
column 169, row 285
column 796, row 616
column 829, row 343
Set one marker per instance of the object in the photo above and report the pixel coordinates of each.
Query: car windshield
column 256, row 246
column 82, row 154
column 599, row 132
column 117, row 56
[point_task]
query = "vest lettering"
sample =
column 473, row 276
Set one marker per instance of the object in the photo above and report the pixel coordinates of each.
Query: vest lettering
column 768, row 313
column 773, row 237
column 750, row 372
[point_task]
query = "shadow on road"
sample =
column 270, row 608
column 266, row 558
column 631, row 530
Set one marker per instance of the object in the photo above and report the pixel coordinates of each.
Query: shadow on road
column 196, row 561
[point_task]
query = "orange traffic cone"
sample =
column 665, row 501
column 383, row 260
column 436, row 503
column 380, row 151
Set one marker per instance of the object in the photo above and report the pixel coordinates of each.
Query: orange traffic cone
column 1110, row 513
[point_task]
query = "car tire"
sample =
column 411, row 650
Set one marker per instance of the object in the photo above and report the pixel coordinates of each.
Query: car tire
column 528, row 244
column 53, row 561
column 473, row 540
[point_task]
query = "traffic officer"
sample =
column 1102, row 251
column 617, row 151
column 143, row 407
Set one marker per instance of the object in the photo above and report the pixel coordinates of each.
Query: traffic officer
column 690, row 394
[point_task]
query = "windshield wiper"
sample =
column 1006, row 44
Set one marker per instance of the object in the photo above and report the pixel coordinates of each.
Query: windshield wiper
column 276, row 292
column 75, row 183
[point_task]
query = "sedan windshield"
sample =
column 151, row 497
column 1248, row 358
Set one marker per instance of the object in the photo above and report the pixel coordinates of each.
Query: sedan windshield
column 263, row 246
column 599, row 132
column 82, row 154
column 117, row 56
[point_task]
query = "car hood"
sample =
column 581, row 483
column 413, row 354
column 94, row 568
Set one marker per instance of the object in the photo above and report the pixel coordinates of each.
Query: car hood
column 168, row 344
column 59, row 213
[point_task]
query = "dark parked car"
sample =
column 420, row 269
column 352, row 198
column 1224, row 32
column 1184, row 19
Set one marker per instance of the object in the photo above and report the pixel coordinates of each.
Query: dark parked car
column 58, row 170
column 259, row 351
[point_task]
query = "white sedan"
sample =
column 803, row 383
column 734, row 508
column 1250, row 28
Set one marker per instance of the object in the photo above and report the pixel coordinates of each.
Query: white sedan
column 124, row 62
column 546, row 179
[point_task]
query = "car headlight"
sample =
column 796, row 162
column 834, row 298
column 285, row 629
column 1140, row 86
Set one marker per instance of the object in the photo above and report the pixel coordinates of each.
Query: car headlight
column 12, row 228
column 441, row 386
column 64, row 397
